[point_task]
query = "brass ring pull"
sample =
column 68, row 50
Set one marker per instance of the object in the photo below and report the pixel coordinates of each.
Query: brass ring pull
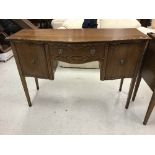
column 60, row 51
column 122, row 61
column 33, row 61
column 92, row 51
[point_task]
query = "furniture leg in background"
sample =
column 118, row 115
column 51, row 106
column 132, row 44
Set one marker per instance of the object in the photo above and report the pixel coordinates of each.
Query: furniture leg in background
column 151, row 104
column 150, row 109
column 147, row 72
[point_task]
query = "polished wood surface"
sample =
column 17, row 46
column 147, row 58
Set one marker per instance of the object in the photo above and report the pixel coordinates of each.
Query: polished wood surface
column 79, row 35
column 147, row 72
column 118, row 51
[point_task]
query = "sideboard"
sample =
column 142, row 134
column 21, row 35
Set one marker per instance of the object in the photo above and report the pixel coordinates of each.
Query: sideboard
column 118, row 51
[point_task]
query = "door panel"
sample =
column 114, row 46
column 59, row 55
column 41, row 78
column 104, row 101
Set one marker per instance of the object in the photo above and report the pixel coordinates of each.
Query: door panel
column 122, row 59
column 32, row 59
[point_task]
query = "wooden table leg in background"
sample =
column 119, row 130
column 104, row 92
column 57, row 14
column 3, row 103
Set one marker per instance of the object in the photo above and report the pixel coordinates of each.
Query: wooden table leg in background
column 151, row 104
column 37, row 83
column 150, row 109
column 121, row 84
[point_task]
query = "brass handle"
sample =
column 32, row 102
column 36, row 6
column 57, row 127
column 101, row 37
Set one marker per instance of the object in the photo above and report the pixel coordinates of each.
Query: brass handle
column 92, row 51
column 122, row 61
column 60, row 51
column 33, row 61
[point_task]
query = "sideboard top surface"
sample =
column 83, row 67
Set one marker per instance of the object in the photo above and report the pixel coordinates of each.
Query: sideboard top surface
column 151, row 35
column 78, row 35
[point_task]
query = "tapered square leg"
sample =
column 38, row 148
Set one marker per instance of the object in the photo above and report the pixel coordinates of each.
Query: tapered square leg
column 37, row 83
column 130, row 92
column 136, row 87
column 150, row 109
column 121, row 84
column 26, row 90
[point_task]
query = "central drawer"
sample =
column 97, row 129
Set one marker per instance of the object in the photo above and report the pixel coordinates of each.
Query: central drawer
column 77, row 53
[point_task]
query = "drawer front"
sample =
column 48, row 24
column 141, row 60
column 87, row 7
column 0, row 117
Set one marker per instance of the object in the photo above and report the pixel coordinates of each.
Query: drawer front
column 32, row 59
column 77, row 53
column 122, row 59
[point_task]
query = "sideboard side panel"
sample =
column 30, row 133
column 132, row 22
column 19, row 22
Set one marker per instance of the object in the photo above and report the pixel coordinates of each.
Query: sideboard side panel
column 32, row 59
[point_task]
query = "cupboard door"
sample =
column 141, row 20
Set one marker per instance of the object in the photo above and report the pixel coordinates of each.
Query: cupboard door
column 32, row 59
column 122, row 59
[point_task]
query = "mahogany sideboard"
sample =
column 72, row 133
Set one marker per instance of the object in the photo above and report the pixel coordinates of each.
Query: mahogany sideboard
column 147, row 72
column 118, row 51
